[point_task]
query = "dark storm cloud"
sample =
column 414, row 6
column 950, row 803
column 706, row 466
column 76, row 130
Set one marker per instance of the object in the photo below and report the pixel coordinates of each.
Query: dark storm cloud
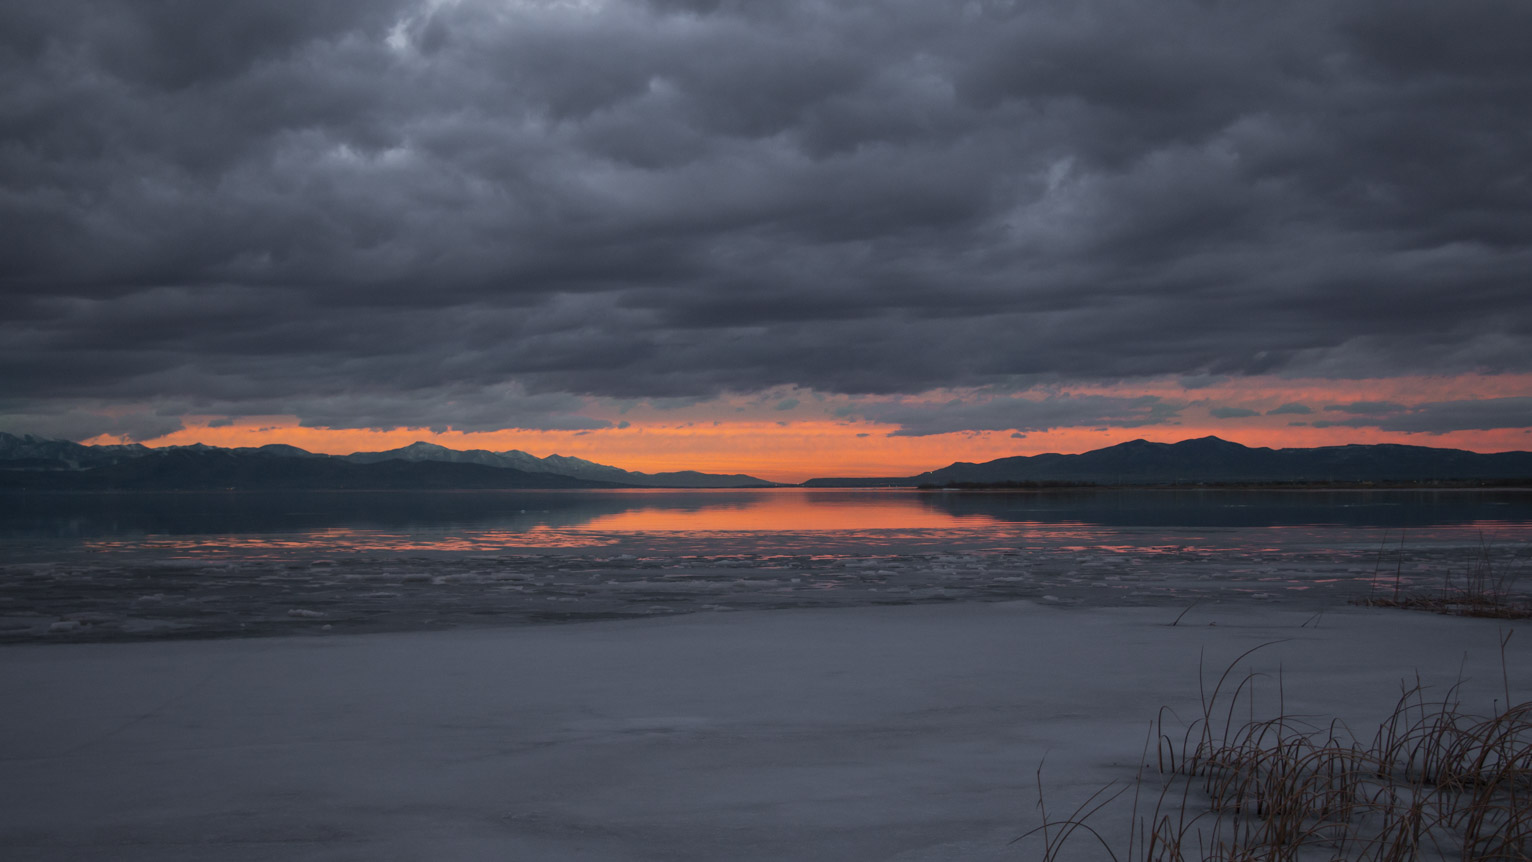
column 920, row 419
column 361, row 205
column 1366, row 408
column 1292, row 407
column 1481, row 415
column 1441, row 417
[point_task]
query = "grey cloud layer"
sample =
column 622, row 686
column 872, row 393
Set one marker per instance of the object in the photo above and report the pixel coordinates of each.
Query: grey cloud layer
column 244, row 203
column 1436, row 417
column 919, row 419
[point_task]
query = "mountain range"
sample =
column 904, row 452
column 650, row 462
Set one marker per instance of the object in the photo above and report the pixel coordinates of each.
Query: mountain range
column 1209, row 460
column 33, row 463
column 28, row 462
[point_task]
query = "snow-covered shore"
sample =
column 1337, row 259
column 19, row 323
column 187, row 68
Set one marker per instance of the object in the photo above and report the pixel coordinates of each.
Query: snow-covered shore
column 895, row 733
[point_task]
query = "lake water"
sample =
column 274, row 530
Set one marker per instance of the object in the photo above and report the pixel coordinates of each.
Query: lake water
column 133, row 566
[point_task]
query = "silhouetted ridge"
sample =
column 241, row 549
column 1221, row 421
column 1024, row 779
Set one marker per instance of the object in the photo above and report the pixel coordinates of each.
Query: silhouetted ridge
column 1213, row 460
column 33, row 463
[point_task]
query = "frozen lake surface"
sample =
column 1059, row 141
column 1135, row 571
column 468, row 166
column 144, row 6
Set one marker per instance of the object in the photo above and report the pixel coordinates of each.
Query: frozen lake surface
column 933, row 665
column 892, row 734
column 134, row 567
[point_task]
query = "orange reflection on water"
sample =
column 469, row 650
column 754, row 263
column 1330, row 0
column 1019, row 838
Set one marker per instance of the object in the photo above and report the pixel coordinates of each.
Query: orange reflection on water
column 350, row 541
column 790, row 511
column 710, row 517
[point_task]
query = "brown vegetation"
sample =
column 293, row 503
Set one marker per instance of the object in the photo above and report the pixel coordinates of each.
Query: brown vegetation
column 1433, row 782
column 1483, row 591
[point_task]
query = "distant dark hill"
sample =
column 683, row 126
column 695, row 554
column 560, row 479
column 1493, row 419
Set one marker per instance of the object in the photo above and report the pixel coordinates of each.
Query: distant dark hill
column 561, row 465
column 24, row 459
column 252, row 470
column 26, row 452
column 1211, row 460
column 863, row 482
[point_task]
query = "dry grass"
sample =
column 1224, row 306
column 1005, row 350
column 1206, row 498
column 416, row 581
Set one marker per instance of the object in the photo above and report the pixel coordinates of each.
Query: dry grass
column 1434, row 782
column 1485, row 590
column 1493, row 608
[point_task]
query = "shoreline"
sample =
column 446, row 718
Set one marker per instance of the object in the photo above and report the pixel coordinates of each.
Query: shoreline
column 1522, row 484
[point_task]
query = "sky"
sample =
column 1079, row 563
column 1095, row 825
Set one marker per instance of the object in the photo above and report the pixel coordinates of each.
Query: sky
column 796, row 238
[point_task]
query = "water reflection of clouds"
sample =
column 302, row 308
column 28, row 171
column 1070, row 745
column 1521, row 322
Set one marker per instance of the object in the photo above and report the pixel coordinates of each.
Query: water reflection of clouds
column 799, row 521
column 685, row 537
column 787, row 521
column 795, row 513
column 351, row 541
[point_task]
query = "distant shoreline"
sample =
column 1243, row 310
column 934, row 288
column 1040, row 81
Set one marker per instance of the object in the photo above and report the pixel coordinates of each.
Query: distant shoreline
column 1388, row 485
column 962, row 487
column 1523, row 484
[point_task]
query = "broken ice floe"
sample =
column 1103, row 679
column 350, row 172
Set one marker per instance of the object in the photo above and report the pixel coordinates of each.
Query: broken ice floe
column 84, row 596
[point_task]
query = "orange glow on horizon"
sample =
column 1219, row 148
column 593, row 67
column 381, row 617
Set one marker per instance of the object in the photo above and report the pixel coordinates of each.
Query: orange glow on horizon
column 806, row 450
column 828, row 435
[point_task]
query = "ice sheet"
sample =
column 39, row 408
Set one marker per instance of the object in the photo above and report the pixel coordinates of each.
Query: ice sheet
column 138, row 596
column 896, row 733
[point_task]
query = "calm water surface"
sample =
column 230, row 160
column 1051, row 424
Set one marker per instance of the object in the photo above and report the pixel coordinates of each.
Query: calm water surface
column 130, row 566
